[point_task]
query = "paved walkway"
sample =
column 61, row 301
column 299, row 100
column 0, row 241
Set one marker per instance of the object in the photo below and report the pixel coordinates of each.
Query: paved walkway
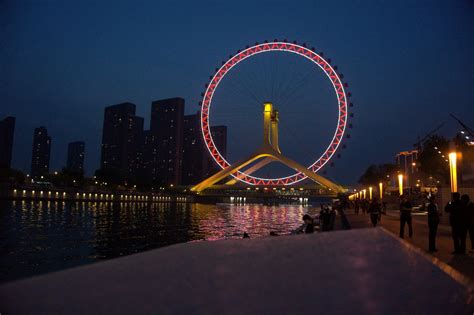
column 359, row 271
column 444, row 243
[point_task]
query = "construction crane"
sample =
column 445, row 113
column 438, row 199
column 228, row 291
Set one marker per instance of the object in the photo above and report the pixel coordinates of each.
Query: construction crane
column 417, row 145
column 466, row 129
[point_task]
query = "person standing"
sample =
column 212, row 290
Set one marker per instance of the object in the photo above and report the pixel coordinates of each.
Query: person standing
column 470, row 223
column 464, row 223
column 405, row 216
column 455, row 210
column 433, row 221
column 375, row 211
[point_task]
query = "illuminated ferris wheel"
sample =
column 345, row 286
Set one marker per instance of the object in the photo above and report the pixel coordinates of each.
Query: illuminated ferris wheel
column 283, row 47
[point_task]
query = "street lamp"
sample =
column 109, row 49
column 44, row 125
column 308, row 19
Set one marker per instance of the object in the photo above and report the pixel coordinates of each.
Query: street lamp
column 400, row 184
column 365, row 191
column 381, row 190
column 370, row 192
column 453, row 172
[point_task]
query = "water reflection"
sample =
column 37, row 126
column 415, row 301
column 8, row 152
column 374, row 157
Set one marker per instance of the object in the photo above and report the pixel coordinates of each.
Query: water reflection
column 38, row 237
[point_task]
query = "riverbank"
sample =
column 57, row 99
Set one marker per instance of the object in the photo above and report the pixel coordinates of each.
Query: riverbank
column 38, row 192
column 360, row 271
column 444, row 243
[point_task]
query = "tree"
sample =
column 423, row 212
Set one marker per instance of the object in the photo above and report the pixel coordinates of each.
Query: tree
column 110, row 176
column 377, row 173
column 431, row 161
column 10, row 175
column 66, row 178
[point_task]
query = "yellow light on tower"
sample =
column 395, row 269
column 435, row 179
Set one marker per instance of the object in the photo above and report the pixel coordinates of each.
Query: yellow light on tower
column 400, row 184
column 381, row 190
column 453, row 171
column 268, row 107
column 370, row 192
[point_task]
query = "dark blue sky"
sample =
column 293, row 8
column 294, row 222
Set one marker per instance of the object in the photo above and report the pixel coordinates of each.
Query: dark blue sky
column 409, row 64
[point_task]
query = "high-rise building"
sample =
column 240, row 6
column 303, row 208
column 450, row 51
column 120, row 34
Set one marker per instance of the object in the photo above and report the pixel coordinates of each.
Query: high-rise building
column 407, row 162
column 166, row 128
column 122, row 137
column 219, row 135
column 7, row 130
column 75, row 157
column 194, row 158
column 41, row 152
column 148, row 151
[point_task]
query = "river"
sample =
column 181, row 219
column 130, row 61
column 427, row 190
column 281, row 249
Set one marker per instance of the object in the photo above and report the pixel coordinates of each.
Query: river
column 38, row 237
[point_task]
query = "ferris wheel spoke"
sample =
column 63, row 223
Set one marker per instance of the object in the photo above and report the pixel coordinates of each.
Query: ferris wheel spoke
column 294, row 82
column 255, row 80
column 297, row 86
column 242, row 90
column 267, row 83
column 288, row 79
column 249, row 90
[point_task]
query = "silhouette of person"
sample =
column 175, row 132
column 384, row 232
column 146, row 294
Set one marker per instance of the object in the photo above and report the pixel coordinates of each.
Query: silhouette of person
column 433, row 221
column 309, row 224
column 375, row 211
column 455, row 210
column 464, row 222
column 405, row 216
column 325, row 218
column 470, row 223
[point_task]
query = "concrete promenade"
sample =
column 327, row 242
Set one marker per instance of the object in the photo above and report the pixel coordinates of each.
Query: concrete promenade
column 360, row 271
column 464, row 264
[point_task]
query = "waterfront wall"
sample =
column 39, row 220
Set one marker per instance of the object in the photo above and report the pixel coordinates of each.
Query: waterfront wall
column 29, row 193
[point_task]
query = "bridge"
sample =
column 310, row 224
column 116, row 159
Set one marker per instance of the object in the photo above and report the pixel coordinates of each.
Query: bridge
column 269, row 152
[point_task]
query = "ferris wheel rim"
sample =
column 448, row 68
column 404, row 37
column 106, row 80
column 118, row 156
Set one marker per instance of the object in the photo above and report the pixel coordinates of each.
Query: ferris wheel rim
column 269, row 47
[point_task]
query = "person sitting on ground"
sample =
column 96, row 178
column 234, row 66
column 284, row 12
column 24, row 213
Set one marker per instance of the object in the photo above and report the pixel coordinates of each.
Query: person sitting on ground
column 309, row 224
column 306, row 227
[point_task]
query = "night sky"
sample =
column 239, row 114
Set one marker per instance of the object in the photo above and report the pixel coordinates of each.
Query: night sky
column 408, row 64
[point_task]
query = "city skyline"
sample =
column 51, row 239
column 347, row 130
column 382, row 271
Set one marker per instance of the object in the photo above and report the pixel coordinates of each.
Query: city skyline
column 170, row 152
column 402, row 56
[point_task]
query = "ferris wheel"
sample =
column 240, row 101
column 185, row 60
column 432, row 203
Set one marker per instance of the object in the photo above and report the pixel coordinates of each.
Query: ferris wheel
column 284, row 47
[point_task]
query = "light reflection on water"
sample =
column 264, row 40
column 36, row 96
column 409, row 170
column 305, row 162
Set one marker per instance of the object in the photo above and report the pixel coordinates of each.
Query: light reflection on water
column 39, row 237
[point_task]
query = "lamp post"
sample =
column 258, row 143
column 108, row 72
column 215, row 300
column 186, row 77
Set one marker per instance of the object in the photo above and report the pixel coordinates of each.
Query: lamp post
column 453, row 171
column 381, row 190
column 370, row 192
column 365, row 191
column 400, row 184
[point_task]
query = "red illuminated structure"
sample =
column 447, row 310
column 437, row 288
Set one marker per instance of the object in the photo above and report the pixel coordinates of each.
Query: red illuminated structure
column 272, row 47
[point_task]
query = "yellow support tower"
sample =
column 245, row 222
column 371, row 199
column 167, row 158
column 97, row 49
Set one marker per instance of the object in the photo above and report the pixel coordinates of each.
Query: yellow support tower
column 268, row 152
